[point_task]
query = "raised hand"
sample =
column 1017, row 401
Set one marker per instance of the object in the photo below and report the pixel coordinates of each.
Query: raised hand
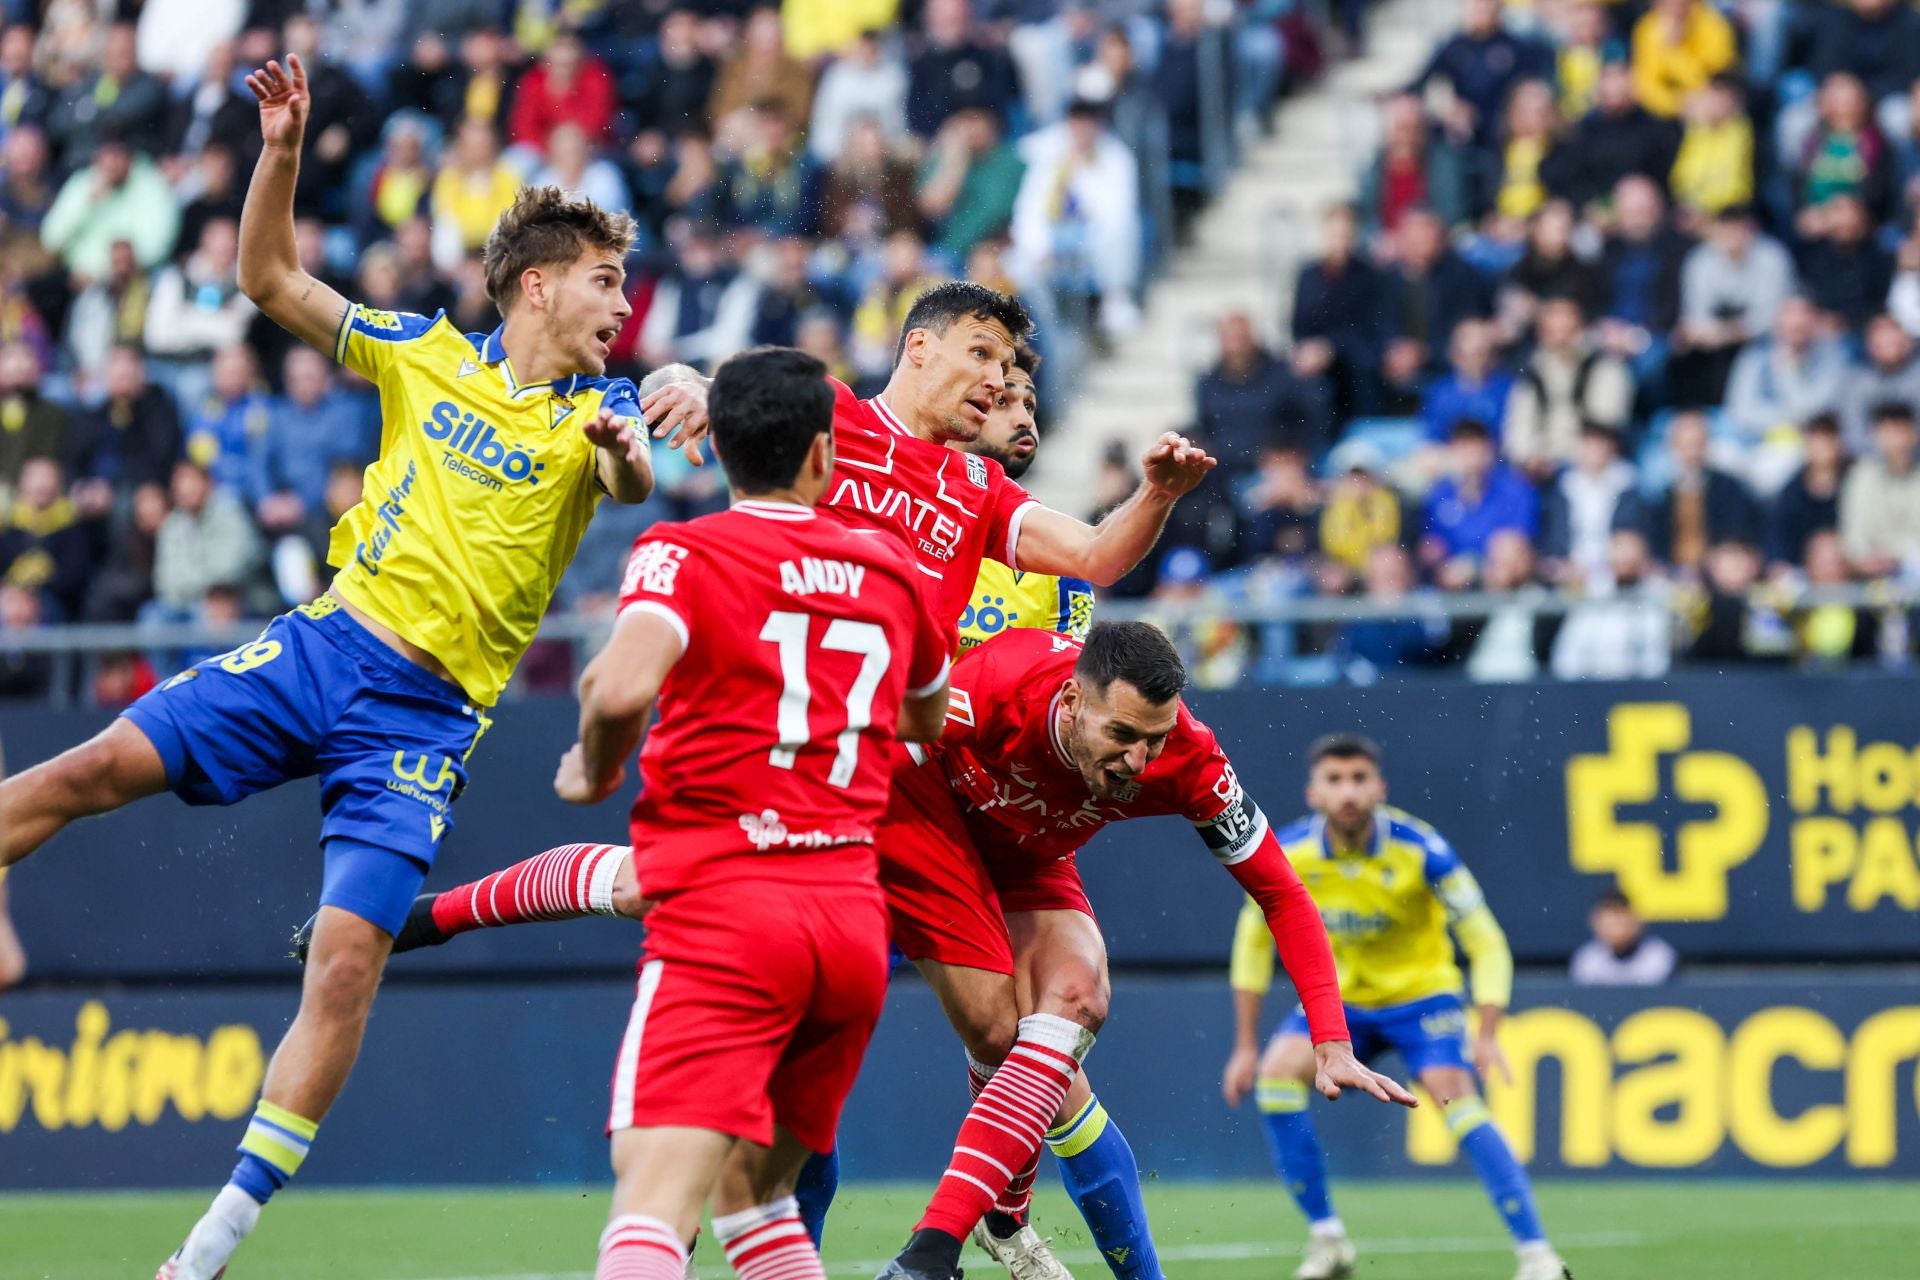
column 1175, row 465
column 679, row 411
column 1336, row 1069
column 1236, row 1082
column 284, row 102
column 609, row 430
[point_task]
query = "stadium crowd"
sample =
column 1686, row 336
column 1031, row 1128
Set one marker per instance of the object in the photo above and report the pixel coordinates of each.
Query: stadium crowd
column 799, row 174
column 1627, row 305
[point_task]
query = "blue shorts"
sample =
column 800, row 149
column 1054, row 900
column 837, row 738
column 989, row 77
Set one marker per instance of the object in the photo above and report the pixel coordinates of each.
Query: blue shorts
column 319, row 694
column 1425, row 1033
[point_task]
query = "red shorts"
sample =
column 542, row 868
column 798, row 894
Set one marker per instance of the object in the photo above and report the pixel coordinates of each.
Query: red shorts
column 949, row 889
column 755, row 1007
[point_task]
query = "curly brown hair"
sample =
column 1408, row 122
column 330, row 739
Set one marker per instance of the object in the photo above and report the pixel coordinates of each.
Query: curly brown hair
column 546, row 227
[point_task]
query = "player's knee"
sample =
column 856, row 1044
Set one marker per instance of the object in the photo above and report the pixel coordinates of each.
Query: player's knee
column 1447, row 1084
column 1288, row 1058
column 340, row 985
column 988, row 1034
column 1081, row 998
column 627, row 899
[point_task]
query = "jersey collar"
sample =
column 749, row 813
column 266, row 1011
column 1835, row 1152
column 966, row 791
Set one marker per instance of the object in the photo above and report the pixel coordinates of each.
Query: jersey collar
column 493, row 351
column 765, row 510
column 888, row 416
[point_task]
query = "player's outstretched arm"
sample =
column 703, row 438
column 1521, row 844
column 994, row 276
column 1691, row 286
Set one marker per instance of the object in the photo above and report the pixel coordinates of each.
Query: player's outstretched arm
column 617, row 693
column 13, row 956
column 270, row 271
column 1054, row 542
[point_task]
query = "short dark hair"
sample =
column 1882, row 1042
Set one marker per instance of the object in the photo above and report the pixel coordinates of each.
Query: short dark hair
column 1470, row 429
column 1025, row 358
column 939, row 307
column 1137, row 652
column 1343, row 746
column 1891, row 411
column 766, row 406
column 1614, row 898
column 1823, row 424
column 546, row 227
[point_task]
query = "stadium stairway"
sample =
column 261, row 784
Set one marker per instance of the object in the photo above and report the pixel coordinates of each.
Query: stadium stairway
column 1247, row 247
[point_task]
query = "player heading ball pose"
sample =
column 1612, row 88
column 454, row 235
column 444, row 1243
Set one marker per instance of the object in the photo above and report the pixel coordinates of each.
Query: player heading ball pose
column 786, row 653
column 1389, row 887
column 494, row 449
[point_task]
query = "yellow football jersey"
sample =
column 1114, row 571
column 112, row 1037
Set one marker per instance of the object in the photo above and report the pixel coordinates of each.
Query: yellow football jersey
column 1004, row 598
column 1387, row 908
column 479, row 497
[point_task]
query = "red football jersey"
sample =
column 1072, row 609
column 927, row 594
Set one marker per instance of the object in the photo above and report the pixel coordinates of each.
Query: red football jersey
column 1005, row 762
column 777, row 725
column 953, row 508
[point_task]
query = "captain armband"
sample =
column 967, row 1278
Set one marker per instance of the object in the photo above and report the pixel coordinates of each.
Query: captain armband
column 1237, row 832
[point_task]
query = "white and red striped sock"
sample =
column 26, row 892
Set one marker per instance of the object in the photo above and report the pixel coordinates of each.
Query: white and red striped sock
column 1018, row 1197
column 566, row 883
column 636, row 1247
column 1003, row 1130
column 769, row 1243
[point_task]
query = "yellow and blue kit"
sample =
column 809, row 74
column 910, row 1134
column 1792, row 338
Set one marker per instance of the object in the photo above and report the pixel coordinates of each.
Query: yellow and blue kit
column 1388, row 907
column 473, row 510
column 1004, row 598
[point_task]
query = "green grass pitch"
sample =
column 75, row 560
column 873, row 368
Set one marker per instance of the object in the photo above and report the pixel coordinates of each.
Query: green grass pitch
column 1642, row 1230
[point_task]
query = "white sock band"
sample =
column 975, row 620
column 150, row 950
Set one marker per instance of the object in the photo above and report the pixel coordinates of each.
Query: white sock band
column 605, row 872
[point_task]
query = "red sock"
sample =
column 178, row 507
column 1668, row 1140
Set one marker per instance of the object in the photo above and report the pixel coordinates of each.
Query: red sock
column 1018, row 1197
column 1003, row 1131
column 636, row 1247
column 769, row 1243
column 561, row 884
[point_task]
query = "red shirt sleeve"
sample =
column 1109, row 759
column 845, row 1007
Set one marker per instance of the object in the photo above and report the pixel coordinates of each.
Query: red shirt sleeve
column 933, row 643
column 1007, row 505
column 657, row 581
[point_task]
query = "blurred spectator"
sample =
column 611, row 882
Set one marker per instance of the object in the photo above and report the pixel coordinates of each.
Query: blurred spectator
column 1714, row 169
column 1283, row 507
column 31, row 426
column 1508, row 644
column 573, row 167
column 22, row 675
column 1549, row 267
column 1251, row 400
column 1362, row 512
column 1880, row 501
column 399, row 186
column 125, row 581
column 702, row 311
column 218, row 109
column 1624, row 631
column 1847, row 272
column 1482, row 62
column 904, row 275
column 205, row 541
column 1731, row 288
column 224, row 430
column 1566, row 383
column 955, row 69
column 1380, row 645
column 816, row 27
column 1846, row 154
column 1478, row 497
column 1527, row 142
column 1621, row 952
column 110, row 311
column 1730, row 623
column 119, row 680
column 869, row 190
column 786, row 295
column 486, row 76
column 1616, row 139
column 773, row 184
column 175, row 38
column 695, row 191
column 210, row 192
column 1640, row 267
column 1678, row 47
column 197, row 307
column 474, row 187
column 1891, row 372
column 120, row 196
column 343, row 121
column 1587, row 47
column 1876, row 40
column 1191, row 81
column 118, row 102
column 26, row 184
column 309, row 429
column 392, row 280
column 1418, row 166
column 1340, row 325
column 760, row 73
column 1830, row 634
column 565, row 86
column 1430, row 290
column 1781, row 381
column 48, row 546
column 864, row 83
column 24, row 100
column 1138, row 117
column 426, row 82
column 132, row 437
column 1702, row 505
column 1474, row 386
column 969, row 182
column 818, row 334
column 1214, row 650
column 1076, row 220
column 671, row 96
column 1809, row 503
column 1581, row 509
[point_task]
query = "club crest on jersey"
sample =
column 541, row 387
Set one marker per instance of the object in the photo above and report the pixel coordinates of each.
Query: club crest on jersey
column 475, row 450
column 976, row 470
column 562, row 410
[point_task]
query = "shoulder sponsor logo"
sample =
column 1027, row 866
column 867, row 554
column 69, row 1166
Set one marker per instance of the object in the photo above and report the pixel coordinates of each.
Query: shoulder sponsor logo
column 385, row 321
column 653, row 567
